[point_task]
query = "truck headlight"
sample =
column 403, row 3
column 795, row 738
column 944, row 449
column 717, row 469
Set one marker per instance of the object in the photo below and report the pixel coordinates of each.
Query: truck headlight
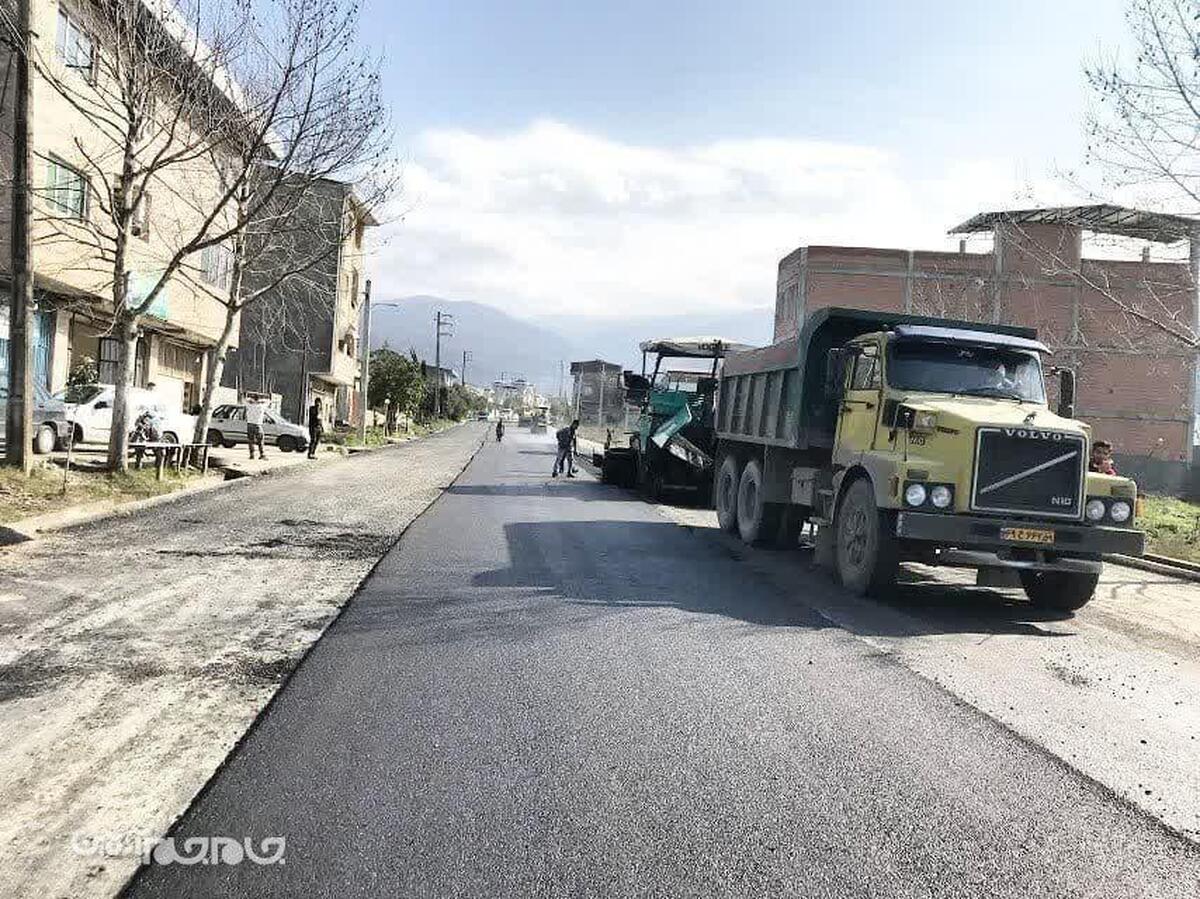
column 914, row 494
column 1120, row 511
column 941, row 496
column 1094, row 510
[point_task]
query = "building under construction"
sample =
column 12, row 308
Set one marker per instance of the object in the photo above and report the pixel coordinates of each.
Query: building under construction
column 598, row 393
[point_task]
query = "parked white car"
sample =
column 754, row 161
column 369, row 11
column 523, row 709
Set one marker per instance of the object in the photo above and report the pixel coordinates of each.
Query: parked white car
column 228, row 427
column 86, row 412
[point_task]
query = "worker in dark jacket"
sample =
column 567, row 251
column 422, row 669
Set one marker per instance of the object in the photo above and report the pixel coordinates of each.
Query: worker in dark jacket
column 315, row 427
column 565, row 461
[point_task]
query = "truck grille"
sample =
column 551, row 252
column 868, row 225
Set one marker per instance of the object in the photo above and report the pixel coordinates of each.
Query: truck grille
column 1028, row 471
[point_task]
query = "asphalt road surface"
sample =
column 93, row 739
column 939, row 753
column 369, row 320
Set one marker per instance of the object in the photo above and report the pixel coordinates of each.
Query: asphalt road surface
column 549, row 689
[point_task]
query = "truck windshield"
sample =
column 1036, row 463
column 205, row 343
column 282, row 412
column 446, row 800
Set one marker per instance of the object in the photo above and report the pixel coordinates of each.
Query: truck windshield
column 78, row 393
column 971, row 370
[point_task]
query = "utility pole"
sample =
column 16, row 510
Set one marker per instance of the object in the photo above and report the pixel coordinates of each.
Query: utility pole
column 19, row 422
column 445, row 327
column 467, row 357
column 364, row 379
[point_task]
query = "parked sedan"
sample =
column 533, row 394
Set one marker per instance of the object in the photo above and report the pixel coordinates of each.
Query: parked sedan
column 228, row 428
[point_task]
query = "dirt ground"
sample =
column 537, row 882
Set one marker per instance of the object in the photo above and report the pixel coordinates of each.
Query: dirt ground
column 135, row 652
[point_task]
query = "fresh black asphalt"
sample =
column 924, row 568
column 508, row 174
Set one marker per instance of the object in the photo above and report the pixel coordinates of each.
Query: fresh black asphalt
column 547, row 689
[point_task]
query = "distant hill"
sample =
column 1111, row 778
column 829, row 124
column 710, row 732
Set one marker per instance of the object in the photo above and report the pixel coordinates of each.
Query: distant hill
column 616, row 340
column 502, row 343
column 499, row 343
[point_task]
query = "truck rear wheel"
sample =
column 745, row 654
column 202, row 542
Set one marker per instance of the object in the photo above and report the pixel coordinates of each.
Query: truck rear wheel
column 1062, row 591
column 865, row 552
column 725, row 494
column 758, row 521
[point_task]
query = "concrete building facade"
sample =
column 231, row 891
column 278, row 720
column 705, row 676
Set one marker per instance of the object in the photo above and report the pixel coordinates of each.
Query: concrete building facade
column 73, row 277
column 1137, row 383
column 598, row 393
column 301, row 339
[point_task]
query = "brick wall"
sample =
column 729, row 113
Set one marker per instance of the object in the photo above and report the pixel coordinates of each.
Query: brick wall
column 1135, row 383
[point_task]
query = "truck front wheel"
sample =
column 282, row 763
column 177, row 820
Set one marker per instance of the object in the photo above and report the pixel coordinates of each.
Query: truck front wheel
column 725, row 494
column 864, row 548
column 1062, row 591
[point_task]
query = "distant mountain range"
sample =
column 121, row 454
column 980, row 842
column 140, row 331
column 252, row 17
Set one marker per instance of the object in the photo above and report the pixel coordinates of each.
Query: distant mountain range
column 502, row 344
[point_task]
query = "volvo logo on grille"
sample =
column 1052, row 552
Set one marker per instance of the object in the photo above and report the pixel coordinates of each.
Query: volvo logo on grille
column 1030, row 434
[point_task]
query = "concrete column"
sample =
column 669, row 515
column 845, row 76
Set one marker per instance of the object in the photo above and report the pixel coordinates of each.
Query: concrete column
column 60, row 351
column 998, row 238
column 1194, row 269
column 908, row 282
column 802, row 290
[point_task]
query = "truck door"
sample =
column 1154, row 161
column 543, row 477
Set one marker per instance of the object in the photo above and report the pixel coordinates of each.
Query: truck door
column 860, row 405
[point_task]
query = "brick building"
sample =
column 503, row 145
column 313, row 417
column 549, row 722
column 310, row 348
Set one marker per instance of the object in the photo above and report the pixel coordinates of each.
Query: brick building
column 1137, row 385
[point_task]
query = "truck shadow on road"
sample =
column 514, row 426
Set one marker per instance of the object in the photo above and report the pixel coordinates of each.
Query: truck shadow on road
column 637, row 564
column 553, row 488
column 643, row 565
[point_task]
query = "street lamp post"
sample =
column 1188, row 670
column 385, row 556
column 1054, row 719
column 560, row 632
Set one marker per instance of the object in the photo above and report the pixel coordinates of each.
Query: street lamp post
column 364, row 382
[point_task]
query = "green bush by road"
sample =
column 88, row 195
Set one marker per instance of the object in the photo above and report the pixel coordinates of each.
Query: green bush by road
column 1172, row 527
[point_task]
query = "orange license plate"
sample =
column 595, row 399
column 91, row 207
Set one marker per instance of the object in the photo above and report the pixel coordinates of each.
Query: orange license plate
column 1026, row 535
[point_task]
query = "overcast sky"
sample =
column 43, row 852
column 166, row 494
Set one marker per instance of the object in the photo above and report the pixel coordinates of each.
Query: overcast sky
column 616, row 157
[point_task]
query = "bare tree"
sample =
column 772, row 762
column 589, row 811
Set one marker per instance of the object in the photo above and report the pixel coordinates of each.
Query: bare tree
column 170, row 121
column 1144, row 136
column 330, row 126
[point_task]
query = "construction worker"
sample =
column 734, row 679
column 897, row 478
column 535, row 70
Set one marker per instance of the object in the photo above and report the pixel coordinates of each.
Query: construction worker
column 565, row 461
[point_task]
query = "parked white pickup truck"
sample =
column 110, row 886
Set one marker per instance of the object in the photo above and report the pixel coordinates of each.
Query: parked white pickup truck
column 85, row 412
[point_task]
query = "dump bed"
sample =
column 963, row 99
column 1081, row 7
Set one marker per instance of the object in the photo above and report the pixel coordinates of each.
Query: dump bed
column 776, row 394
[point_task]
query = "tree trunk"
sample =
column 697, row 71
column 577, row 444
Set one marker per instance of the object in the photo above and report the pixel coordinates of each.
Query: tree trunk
column 118, row 440
column 212, row 375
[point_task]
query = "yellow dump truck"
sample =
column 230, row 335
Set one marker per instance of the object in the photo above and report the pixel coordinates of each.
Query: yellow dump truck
column 907, row 438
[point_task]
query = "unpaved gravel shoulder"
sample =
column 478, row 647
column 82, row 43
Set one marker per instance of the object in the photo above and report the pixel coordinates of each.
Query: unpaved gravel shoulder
column 135, row 652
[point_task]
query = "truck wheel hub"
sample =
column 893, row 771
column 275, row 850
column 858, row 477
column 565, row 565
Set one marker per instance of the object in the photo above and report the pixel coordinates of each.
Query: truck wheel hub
column 855, row 537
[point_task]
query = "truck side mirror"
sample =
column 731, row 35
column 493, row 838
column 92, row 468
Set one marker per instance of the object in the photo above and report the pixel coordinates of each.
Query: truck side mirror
column 1066, row 393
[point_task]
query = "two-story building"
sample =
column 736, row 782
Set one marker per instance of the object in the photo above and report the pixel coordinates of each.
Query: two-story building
column 71, row 254
column 301, row 339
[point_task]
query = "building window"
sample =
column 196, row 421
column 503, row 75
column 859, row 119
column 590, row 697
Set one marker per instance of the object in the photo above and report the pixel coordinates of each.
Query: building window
column 216, row 266
column 66, row 189
column 110, row 350
column 74, row 46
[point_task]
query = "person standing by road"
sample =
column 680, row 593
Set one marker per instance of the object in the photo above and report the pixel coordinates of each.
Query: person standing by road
column 256, row 410
column 315, row 427
column 565, row 461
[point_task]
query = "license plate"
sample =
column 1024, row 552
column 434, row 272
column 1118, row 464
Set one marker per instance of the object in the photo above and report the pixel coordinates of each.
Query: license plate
column 1027, row 535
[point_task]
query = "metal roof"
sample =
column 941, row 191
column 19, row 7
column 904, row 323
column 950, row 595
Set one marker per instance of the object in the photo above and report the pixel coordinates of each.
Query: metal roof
column 1104, row 218
column 694, row 347
column 966, row 335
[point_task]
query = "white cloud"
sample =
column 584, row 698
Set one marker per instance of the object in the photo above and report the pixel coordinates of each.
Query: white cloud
column 552, row 219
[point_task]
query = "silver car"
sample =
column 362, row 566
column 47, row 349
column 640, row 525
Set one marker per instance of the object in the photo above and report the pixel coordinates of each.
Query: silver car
column 228, row 428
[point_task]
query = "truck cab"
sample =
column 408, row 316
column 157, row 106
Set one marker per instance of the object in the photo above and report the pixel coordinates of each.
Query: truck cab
column 930, row 440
